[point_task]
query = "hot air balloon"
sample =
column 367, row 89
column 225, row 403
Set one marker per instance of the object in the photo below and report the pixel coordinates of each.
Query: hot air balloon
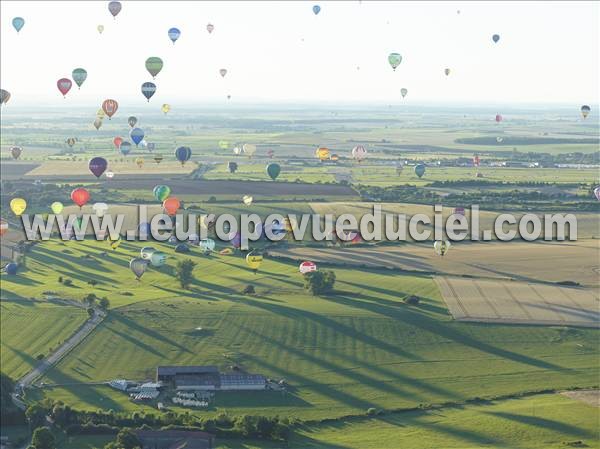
column 499, row 139
column 403, row 92
column 496, row 38
column 165, row 108
column 158, row 158
column 447, row 72
column 273, row 170
column 459, row 211
column 110, row 107
column 210, row 27
column 394, row 59
column 585, row 110
column 223, row 72
column 57, row 207
column 307, row 267
column 249, row 149
column 441, row 247
column 79, row 76
column 4, row 96
column 232, row 166
column 247, row 200
column 138, row 267
column 154, row 65
column 117, row 141
column 114, row 242
column 316, row 9
column 498, row 118
column 11, row 268
column 125, row 148
column 139, row 161
column 136, row 135
column 132, row 121
column 174, row 34
column 100, row 28
column 114, row 8
column 223, row 144
column 98, row 166
column 171, row 205
column 110, row 174
column 183, row 154
column 151, row 146
column 100, row 209
column 97, row 123
column 148, row 89
column 158, row 259
column 419, row 170
column 16, row 152
column 182, row 248
column 161, row 192
column 207, row 245
column 71, row 141
column 254, row 261
column 146, row 252
column 597, row 193
column 3, row 226
column 18, row 206
column 80, row 196
column 270, row 153
column 64, row 86
column 322, row 153
column 359, row 153
column 237, row 150
column 18, row 23
column 235, row 238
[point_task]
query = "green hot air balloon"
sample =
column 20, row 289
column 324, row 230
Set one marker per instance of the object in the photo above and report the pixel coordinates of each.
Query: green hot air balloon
column 273, row 170
column 138, row 267
column 395, row 59
column 154, row 65
column 161, row 192
column 79, row 76
column 420, row 170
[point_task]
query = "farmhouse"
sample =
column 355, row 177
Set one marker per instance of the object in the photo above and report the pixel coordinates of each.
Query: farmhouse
column 208, row 378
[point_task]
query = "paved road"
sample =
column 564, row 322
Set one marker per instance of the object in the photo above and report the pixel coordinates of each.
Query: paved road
column 62, row 350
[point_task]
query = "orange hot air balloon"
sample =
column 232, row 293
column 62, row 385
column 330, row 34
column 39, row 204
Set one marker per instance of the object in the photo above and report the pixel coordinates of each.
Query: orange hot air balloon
column 117, row 141
column 110, row 107
column 170, row 205
column 80, row 196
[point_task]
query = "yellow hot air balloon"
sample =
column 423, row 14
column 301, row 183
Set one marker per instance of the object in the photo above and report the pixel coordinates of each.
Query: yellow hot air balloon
column 100, row 28
column 139, row 161
column 100, row 113
column 18, row 206
column 247, row 200
column 166, row 108
column 57, row 207
column 254, row 261
column 322, row 153
column 114, row 244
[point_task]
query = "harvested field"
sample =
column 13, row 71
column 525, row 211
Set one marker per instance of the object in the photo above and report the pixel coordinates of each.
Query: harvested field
column 526, row 261
column 591, row 397
column 495, row 301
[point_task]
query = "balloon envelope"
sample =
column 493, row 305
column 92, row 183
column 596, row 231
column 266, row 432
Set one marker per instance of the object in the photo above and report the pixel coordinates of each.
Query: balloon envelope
column 146, row 252
column 165, row 108
column 441, row 247
column 171, row 205
column 316, row 9
column 11, row 268
column 496, row 38
column 307, row 267
column 110, row 107
column 64, row 86
column 161, row 192
column 154, row 65
column 394, row 60
column 585, row 110
column 100, row 209
column 57, row 207
column 98, row 166
column 232, row 166
column 79, row 76
column 597, row 193
column 148, row 89
column 18, row 23
column 18, row 206
column 359, row 153
column 125, row 148
column 4, row 96
column 97, row 123
column 138, row 267
column 420, row 170
column 16, row 152
column 117, row 141
column 273, row 170
column 136, row 135
column 100, row 28
column 174, row 34
column 223, row 72
column 249, row 149
column 132, row 120
column 80, row 196
column 210, row 27
column 183, row 154
column 254, row 260
column 207, row 245
column 403, row 92
column 158, row 259
column 114, row 8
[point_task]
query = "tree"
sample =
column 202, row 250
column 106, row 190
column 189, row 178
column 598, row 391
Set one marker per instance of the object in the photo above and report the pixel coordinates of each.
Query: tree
column 319, row 282
column 43, row 439
column 90, row 299
column 184, row 272
column 36, row 415
column 126, row 439
column 103, row 303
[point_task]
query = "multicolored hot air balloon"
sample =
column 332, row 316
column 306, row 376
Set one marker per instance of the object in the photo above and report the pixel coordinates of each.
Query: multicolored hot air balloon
column 4, row 96
column 154, row 65
column 18, row 23
column 131, row 120
column 110, row 107
column 273, row 170
column 307, row 267
column 496, row 38
column 420, row 170
column 316, row 9
column 64, row 86
column 80, row 196
column 394, row 59
column 148, row 89
column 161, row 192
column 18, row 206
column 138, row 267
column 136, row 134
column 359, row 153
column 114, row 8
column 98, row 166
column 79, row 76
column 585, row 110
column 174, row 34
column 183, row 154
column 16, row 152
column 441, row 247
column 125, row 148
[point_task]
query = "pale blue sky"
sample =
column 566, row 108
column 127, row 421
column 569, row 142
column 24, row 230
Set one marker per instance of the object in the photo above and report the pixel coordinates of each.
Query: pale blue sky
column 280, row 51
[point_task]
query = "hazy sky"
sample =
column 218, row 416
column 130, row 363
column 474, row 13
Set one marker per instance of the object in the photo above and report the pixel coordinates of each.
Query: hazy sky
column 280, row 51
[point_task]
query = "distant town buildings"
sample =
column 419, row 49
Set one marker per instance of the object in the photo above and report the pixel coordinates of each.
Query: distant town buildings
column 203, row 378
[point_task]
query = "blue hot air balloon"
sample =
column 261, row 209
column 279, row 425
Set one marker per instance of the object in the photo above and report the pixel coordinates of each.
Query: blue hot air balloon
column 183, row 154
column 148, row 89
column 174, row 34
column 18, row 23
column 125, row 148
column 136, row 135
column 420, row 170
column 11, row 268
column 316, row 9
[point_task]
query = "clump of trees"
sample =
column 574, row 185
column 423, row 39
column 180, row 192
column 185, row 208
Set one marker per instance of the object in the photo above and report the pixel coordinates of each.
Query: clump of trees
column 42, row 439
column 9, row 413
column 184, row 272
column 319, row 282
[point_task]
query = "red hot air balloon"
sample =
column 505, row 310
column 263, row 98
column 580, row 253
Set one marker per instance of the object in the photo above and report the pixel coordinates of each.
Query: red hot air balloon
column 110, row 107
column 98, row 166
column 170, row 205
column 117, row 141
column 64, row 86
column 80, row 196
column 498, row 118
